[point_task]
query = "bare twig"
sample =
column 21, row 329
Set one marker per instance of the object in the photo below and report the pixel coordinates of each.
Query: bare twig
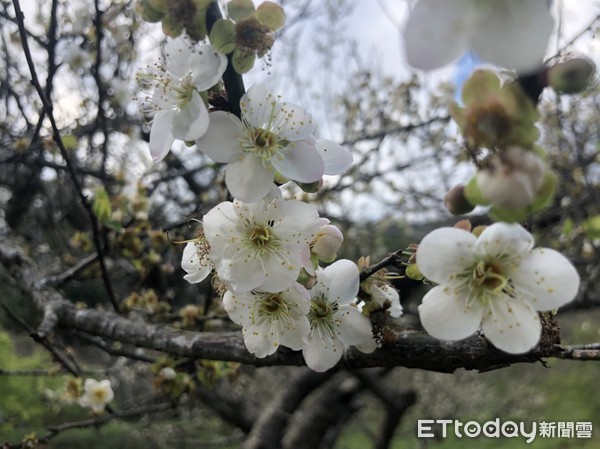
column 64, row 153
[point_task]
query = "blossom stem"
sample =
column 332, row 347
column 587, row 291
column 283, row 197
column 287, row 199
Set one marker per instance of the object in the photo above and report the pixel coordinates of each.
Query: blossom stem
column 234, row 84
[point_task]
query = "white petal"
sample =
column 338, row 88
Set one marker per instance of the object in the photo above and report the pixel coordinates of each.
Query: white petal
column 511, row 325
column 105, row 384
column 208, row 66
column 339, row 281
column 220, row 142
column 278, row 274
column 177, row 54
column 247, row 179
column 301, row 162
column 197, row 269
column 546, row 279
column 257, row 105
column 437, row 32
column 296, row 337
column 243, row 273
column 380, row 293
column 296, row 221
column 337, row 159
column 504, row 238
column 445, row 315
column 354, row 328
column 261, row 339
column 161, row 136
column 444, row 252
column 515, row 34
column 239, row 307
column 292, row 122
column 319, row 355
column 191, row 121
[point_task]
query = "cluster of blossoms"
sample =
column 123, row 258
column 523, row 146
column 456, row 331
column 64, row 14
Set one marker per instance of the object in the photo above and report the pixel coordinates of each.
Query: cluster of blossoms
column 266, row 250
column 260, row 251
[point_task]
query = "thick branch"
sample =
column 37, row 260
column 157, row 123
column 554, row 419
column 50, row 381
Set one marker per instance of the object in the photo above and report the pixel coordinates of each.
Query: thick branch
column 412, row 349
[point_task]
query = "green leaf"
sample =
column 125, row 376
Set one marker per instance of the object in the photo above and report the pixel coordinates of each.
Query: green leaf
column 222, row 36
column 69, row 141
column 240, row 9
column 591, row 227
column 243, row 60
column 101, row 205
column 271, row 15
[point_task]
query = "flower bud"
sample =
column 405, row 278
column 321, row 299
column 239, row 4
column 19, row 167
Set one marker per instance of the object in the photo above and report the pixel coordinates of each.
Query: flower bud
column 326, row 243
column 456, row 202
column 512, row 178
column 571, row 76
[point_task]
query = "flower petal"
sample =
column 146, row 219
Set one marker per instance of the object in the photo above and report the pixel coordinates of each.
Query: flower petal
column 207, row 66
column 512, row 325
column 444, row 252
column 247, row 179
column 546, row 279
column 354, row 328
column 504, row 239
column 177, row 55
column 437, row 32
column 257, row 105
column 295, row 335
column 197, row 268
column 301, row 162
column 292, row 122
column 191, row 121
column 321, row 355
column 161, row 136
column 278, row 274
column 525, row 25
column 337, row 159
column 242, row 273
column 261, row 339
column 239, row 306
column 445, row 315
column 220, row 142
column 339, row 281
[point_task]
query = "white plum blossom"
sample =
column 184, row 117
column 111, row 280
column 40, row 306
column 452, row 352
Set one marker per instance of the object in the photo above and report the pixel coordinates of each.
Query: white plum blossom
column 76, row 57
column 496, row 281
column 173, row 89
column 335, row 323
column 383, row 294
column 262, row 245
column 509, row 33
column 196, row 260
column 96, row 394
column 512, row 179
column 271, row 319
column 272, row 137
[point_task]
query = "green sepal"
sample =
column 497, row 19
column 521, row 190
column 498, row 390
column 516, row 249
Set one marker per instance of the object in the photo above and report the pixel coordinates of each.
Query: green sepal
column 222, row 36
column 508, row 215
column 171, row 28
column 243, row 60
column 240, row 9
column 413, row 272
column 546, row 194
column 473, row 195
column 271, row 15
column 482, row 84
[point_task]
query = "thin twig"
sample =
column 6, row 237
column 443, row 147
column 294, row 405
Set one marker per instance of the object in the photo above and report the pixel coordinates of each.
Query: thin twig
column 65, row 155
